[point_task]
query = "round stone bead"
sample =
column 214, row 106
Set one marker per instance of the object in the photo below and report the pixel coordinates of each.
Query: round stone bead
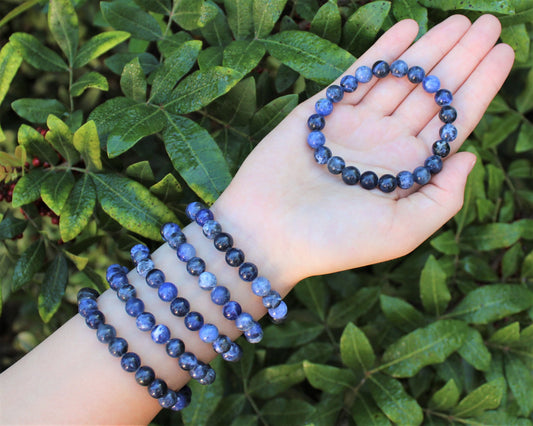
column 179, row 306
column 220, row 295
column 272, row 299
column 144, row 375
column 315, row 139
column 335, row 165
column 176, row 239
column 193, row 321
column 182, row 400
column 208, row 333
column 234, row 353
column 368, row 180
column 223, row 241
column 415, row 74
column 160, row 334
column 221, row 344
column 117, row 347
column 234, row 257
column 169, row 399
column 86, row 305
column 431, row 83
column 134, row 307
column 280, row 313
column 387, row 183
column 348, row 83
column 316, row 122
column 112, row 270
column 192, row 209
column 168, row 229
column 130, row 362
column 203, row 216
column 443, row 97
column 105, row 333
column 421, row 175
column 380, row 69
column 126, row 292
column 87, row 293
column 209, row 377
column 139, row 252
column 175, row 347
column 167, row 292
column 231, row 310
column 94, row 318
column 261, row 286
column 405, row 179
column 350, row 175
column 399, row 68
column 334, row 93
column 441, row 148
column 118, row 280
column 186, row 252
column 195, row 266
column 363, row 74
column 322, row 154
column 157, row 388
column 323, row 107
column 199, row 371
column 244, row 321
column 145, row 321
column 434, row 164
column 211, row 228
column 155, row 278
column 144, row 266
column 254, row 334
column 448, row 132
column 187, row 361
column 207, row 281
column 447, row 114
column 248, row 271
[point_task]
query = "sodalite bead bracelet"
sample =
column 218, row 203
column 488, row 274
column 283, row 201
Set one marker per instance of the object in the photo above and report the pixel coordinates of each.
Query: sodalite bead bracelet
column 368, row 179
column 129, row 361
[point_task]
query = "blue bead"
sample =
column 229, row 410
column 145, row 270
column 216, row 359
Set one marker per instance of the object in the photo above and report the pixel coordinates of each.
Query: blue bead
column 209, row 377
column 87, row 293
column 169, row 399
column 315, row 139
column 144, row 266
column 134, row 306
column 447, row 114
column 279, row 313
column 112, row 270
column 207, row 281
column 234, row 257
column 254, row 334
column 86, row 305
column 220, row 295
column 441, row 148
column 322, row 154
column 179, row 306
column 348, row 83
column 203, row 216
column 363, row 74
column 399, row 68
column 157, row 388
column 187, row 361
column 244, row 321
column 211, row 228
column 387, row 183
column 130, row 362
column 193, row 321
column 125, row 269
column 261, row 286
column 118, row 280
column 176, row 239
column 167, row 292
column 272, row 299
column 183, row 399
column 223, row 241
column 431, row 83
column 316, row 122
column 186, row 252
column 334, row 93
column 117, row 347
column 405, row 180
column 145, row 321
column 105, row 333
column 175, row 347
column 434, row 164
column 234, row 353
column 155, row 278
column 94, row 318
column 248, row 271
column 208, row 333
column 126, row 292
column 323, row 107
column 168, row 229
column 448, row 132
column 199, row 371
column 221, row 344
column 422, row 175
column 195, row 266
column 380, row 69
column 443, row 97
column 368, row 180
column 144, row 375
column 160, row 334
column 231, row 310
column 350, row 175
column 193, row 208
column 139, row 252
column 335, row 165
column 415, row 74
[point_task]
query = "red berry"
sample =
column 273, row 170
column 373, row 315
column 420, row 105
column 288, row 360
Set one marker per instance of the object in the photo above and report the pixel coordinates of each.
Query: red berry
column 1, row 196
column 26, row 165
column 60, row 242
column 46, row 164
column 55, row 220
column 19, row 236
column 36, row 162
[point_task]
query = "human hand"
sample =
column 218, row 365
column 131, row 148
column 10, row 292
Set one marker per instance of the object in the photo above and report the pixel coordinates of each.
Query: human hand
column 300, row 220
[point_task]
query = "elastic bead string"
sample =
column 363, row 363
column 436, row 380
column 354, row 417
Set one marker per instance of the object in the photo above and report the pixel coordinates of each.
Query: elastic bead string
column 369, row 179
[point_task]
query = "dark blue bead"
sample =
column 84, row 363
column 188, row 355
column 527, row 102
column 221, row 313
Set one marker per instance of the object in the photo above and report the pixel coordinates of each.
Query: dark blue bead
column 315, row 139
column 195, row 266
column 334, row 93
column 399, row 68
column 145, row 321
column 86, row 305
column 179, row 306
column 234, row 353
column 223, row 241
column 422, row 175
column 380, row 69
column 448, row 132
column 144, row 375
column 316, row 122
column 167, row 292
column 323, row 107
column 434, row 164
column 187, row 361
column 322, row 154
column 348, row 83
column 184, row 399
column 112, row 270
column 387, row 183
column 221, row 344
column 209, row 377
column 169, row 399
column 441, row 148
column 431, row 83
column 248, row 271
column 118, row 347
column 207, row 281
column 125, row 269
column 130, row 362
column 139, row 252
column 186, row 252
column 87, row 293
column 160, row 334
column 443, row 97
column 220, row 295
column 211, row 228
column 405, row 180
column 350, row 175
column 193, row 208
column 368, row 180
column 199, row 371
column 231, row 310
column 261, row 286
column 155, row 278
column 234, row 257
column 168, row 229
column 118, row 280
column 126, row 292
column 447, row 114
column 176, row 239
column 244, row 321
column 254, row 334
column 335, row 165
column 203, row 216
column 363, row 74
column 175, row 347
column 272, row 299
column 157, row 388
column 144, row 266
column 415, row 74
column 134, row 306
column 105, row 333
column 208, row 333
column 280, row 313
column 193, row 321
column 94, row 318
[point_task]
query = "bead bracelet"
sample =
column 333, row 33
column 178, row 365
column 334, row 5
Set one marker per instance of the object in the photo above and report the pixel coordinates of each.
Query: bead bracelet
column 129, row 361
column 369, row 179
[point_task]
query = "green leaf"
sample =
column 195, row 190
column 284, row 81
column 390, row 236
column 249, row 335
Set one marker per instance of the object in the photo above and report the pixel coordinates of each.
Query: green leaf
column 60, row 137
column 365, row 412
column 498, row 6
column 157, row 6
column 285, row 78
column 327, row 22
column 21, row 8
column 118, row 61
column 89, row 80
column 314, row 352
column 132, row 81
column 327, row 378
column 433, row 290
column 28, row 264
column 86, row 141
column 518, row 38
column 11, row 227
column 361, row 28
column 217, row 32
column 56, row 188
column 98, row 45
column 271, row 115
column 131, row 18
column 507, row 335
column 196, row 156
column 194, row 14
column 313, row 57
column 400, row 313
column 37, row 54
column 356, row 350
column 63, row 24
column 524, row 100
column 474, row 351
column 492, row 236
column 271, row 381
column 353, row 307
column 479, row 268
column 525, row 138
column 288, row 412
column 520, row 382
column 171, row 42
column 79, row 261
column 132, row 205
column 210, row 57
column 10, row 62
column 495, row 129
column 28, row 188
column 391, row 397
column 485, row 397
column 38, row 110
column 240, row 20
column 424, row 346
column 53, row 287
column 243, row 56
column 167, row 189
column 238, row 106
column 312, row 292
column 493, row 302
column 411, row 9
column 107, row 115
column 446, row 243
column 446, row 397
column 499, row 418
column 78, row 208
column 527, row 266
column 141, row 171
column 306, row 9
column 35, row 145
column 265, row 14
column 291, row 334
